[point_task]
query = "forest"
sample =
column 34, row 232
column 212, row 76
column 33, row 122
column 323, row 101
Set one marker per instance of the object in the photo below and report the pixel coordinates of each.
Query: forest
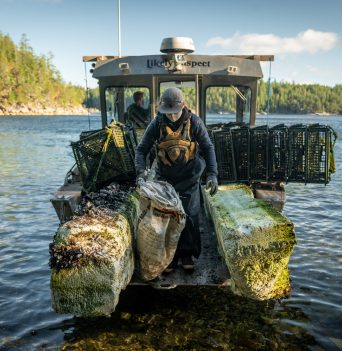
column 30, row 78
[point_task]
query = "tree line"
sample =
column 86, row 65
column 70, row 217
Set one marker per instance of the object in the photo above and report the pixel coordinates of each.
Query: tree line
column 30, row 78
column 280, row 97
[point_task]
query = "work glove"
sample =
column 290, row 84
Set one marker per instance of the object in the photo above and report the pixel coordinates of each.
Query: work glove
column 212, row 184
column 141, row 179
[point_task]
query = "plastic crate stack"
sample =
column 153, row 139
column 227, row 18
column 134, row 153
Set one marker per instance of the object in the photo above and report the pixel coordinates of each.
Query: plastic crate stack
column 106, row 155
column 299, row 153
column 278, row 141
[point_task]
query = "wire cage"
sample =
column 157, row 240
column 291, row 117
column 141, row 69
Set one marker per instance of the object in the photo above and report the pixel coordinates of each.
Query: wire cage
column 105, row 156
column 87, row 133
column 297, row 165
column 278, row 153
column 241, row 147
column 224, row 155
column 299, row 153
column 259, row 153
column 318, row 140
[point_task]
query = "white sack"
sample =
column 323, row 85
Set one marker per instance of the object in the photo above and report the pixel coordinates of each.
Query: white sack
column 161, row 221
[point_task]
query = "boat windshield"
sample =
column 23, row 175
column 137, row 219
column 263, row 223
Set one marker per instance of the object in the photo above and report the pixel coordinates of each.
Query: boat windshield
column 129, row 104
column 226, row 104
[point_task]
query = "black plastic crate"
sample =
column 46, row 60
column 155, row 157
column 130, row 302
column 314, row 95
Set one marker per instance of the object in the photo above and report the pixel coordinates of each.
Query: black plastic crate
column 241, row 147
column 278, row 153
column 131, row 140
column 297, row 165
column 318, row 144
column 224, row 150
column 211, row 135
column 259, row 151
column 105, row 156
column 87, row 133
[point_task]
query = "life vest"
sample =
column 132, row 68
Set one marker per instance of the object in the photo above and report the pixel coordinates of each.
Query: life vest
column 176, row 147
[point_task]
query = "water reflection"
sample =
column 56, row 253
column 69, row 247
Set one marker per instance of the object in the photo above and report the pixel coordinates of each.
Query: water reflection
column 192, row 319
column 35, row 155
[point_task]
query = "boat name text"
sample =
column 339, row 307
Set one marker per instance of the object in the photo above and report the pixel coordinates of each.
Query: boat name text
column 169, row 64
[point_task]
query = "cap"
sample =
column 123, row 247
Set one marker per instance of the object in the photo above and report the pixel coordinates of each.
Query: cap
column 171, row 101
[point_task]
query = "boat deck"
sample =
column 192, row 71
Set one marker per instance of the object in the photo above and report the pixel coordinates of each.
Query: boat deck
column 210, row 269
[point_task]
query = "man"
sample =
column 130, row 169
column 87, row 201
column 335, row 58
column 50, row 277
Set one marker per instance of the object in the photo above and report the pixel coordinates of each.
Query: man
column 178, row 133
column 137, row 115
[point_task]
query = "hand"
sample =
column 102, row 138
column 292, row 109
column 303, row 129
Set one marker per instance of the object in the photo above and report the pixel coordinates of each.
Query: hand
column 140, row 182
column 141, row 179
column 212, row 184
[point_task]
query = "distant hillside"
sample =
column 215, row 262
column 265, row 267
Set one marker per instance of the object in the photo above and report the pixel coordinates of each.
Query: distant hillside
column 31, row 83
column 285, row 98
column 300, row 98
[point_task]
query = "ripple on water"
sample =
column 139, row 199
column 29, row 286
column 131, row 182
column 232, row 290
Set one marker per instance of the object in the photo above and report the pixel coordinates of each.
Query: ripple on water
column 31, row 171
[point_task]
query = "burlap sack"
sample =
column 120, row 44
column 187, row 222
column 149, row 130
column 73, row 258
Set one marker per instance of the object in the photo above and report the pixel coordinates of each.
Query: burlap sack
column 161, row 221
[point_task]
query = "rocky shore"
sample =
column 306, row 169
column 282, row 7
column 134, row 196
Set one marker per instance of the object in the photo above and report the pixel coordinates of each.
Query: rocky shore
column 36, row 109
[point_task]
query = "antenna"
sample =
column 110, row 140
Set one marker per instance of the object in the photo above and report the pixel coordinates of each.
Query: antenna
column 119, row 29
column 87, row 91
column 269, row 90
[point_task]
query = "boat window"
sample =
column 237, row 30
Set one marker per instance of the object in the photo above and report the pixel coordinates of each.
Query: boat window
column 228, row 104
column 188, row 89
column 129, row 105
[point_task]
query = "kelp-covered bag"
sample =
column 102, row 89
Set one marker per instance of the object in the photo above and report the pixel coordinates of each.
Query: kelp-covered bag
column 161, row 221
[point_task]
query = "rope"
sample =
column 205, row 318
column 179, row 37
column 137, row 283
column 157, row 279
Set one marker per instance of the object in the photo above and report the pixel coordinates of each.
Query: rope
column 238, row 92
column 87, row 90
column 269, row 91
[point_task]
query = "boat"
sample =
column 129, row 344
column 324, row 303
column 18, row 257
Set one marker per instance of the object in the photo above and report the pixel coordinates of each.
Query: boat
column 246, row 240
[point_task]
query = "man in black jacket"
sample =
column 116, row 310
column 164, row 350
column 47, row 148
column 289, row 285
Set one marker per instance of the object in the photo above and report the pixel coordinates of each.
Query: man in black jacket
column 178, row 133
column 137, row 115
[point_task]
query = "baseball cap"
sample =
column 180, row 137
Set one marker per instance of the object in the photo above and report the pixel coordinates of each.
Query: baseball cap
column 171, row 101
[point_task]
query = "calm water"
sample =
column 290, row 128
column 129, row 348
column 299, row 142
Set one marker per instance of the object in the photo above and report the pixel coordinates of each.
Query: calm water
column 34, row 157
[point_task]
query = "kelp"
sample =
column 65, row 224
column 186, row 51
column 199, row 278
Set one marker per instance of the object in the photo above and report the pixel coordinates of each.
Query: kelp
column 92, row 257
column 255, row 241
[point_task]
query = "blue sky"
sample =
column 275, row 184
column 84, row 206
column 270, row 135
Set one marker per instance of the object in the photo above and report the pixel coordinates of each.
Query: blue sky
column 305, row 35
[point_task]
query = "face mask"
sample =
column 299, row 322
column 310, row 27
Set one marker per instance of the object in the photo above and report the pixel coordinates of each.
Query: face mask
column 173, row 117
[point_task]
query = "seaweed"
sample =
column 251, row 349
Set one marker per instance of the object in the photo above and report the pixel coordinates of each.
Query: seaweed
column 92, row 255
column 256, row 242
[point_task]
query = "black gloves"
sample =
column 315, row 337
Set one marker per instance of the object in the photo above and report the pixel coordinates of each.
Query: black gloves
column 212, row 184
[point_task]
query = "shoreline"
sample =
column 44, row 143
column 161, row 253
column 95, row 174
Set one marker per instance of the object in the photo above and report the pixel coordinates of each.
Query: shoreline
column 82, row 111
column 39, row 110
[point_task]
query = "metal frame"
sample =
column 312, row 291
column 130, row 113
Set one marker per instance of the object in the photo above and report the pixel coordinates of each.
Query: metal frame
column 202, row 83
column 205, row 70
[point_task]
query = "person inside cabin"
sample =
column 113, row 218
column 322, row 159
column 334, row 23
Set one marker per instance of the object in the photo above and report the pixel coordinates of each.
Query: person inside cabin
column 137, row 115
column 178, row 135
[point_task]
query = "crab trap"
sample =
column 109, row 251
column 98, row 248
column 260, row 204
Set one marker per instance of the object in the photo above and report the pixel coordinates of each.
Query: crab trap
column 299, row 153
column 225, row 155
column 105, row 156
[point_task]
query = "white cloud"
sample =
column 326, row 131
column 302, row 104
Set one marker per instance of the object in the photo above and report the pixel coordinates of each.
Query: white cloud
column 309, row 41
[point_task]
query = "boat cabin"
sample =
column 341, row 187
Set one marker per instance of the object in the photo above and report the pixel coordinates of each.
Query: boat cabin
column 211, row 84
